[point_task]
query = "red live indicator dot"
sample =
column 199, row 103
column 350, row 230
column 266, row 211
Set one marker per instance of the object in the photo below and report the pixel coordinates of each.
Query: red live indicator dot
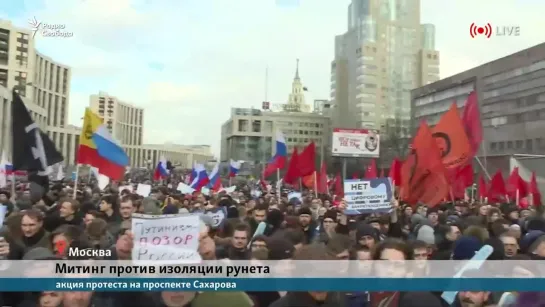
column 60, row 246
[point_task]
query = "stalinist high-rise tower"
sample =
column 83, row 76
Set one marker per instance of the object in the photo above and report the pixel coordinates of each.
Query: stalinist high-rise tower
column 296, row 99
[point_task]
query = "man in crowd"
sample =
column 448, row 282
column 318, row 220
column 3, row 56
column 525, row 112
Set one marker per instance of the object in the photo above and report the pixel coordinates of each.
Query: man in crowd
column 291, row 233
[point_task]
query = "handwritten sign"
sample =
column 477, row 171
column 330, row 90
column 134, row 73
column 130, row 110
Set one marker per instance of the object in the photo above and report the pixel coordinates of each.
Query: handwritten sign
column 366, row 196
column 218, row 216
column 168, row 239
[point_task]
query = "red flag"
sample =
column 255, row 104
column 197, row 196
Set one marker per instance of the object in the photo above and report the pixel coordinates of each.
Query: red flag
column 338, row 188
column 292, row 174
column 263, row 183
column 515, row 184
column 452, row 140
column 462, row 179
column 306, row 160
column 496, row 190
column 395, row 172
column 471, row 118
column 371, row 171
column 308, row 180
column 322, row 180
column 423, row 173
column 355, row 175
column 481, row 192
column 534, row 190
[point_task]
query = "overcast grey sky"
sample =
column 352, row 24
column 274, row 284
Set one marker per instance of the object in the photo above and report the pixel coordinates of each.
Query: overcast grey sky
column 189, row 61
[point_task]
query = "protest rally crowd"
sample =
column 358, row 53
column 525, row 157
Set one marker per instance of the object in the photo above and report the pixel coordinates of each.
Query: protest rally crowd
column 430, row 216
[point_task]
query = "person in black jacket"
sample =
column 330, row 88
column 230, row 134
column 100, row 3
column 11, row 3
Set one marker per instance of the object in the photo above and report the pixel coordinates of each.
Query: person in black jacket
column 313, row 252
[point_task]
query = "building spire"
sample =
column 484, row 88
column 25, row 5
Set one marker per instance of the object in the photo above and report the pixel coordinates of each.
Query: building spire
column 297, row 69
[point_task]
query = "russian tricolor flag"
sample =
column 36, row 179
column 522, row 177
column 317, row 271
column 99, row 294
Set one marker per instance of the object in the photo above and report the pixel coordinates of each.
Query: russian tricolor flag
column 161, row 170
column 278, row 161
column 201, row 178
column 214, row 179
column 193, row 174
column 234, row 167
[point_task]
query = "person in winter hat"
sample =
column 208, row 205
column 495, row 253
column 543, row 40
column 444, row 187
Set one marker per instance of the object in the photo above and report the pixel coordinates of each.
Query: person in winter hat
column 465, row 248
column 426, row 234
column 366, row 235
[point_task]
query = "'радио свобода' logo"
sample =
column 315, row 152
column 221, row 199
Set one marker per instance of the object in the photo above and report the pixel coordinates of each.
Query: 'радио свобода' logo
column 46, row 29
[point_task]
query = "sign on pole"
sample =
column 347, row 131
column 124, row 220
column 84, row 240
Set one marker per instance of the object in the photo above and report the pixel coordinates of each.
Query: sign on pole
column 355, row 143
column 367, row 196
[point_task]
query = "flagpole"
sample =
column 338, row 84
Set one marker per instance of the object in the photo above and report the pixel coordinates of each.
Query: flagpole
column 76, row 181
column 483, row 168
column 13, row 184
column 315, row 185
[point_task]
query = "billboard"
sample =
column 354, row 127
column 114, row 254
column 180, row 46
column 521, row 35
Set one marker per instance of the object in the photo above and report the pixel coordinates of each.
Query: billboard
column 355, row 143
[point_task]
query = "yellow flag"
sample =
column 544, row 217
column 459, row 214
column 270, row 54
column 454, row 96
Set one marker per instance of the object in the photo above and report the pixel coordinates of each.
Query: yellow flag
column 91, row 122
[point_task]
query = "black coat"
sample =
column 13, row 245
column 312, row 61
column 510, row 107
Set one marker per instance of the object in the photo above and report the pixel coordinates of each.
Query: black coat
column 300, row 299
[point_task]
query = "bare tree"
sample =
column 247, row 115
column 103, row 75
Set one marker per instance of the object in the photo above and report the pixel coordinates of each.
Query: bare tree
column 394, row 142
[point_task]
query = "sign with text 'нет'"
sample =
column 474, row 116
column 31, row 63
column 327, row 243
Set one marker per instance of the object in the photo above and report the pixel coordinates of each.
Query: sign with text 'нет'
column 367, row 196
column 166, row 239
column 355, row 143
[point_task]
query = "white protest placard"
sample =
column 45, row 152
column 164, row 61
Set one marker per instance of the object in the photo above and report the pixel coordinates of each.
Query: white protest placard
column 143, row 189
column 229, row 190
column 184, row 188
column 103, row 181
column 298, row 195
column 366, row 196
column 218, row 215
column 167, row 239
column 255, row 193
column 3, row 211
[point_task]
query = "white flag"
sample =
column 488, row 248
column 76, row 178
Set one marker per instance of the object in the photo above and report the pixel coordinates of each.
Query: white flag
column 60, row 173
column 103, row 180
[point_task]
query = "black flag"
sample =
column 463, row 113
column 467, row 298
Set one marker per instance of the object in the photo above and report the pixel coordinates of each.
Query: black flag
column 32, row 149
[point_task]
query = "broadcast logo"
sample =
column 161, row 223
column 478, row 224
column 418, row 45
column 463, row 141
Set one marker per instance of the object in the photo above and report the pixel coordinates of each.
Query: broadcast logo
column 60, row 247
column 476, row 30
column 487, row 31
column 46, row 29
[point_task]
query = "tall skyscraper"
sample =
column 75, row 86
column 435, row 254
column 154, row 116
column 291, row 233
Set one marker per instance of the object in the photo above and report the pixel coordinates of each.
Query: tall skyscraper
column 384, row 54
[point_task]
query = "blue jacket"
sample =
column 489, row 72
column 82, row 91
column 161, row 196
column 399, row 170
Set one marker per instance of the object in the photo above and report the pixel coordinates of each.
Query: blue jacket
column 357, row 299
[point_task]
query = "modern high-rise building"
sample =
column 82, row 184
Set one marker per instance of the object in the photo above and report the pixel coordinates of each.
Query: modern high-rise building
column 45, row 89
column 511, row 96
column 43, row 83
column 124, row 120
column 384, row 54
column 126, row 124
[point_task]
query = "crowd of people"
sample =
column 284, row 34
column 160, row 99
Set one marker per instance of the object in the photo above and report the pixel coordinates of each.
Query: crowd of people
column 311, row 228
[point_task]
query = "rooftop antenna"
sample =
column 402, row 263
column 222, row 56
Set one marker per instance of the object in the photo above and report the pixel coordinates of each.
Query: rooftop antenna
column 267, row 83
